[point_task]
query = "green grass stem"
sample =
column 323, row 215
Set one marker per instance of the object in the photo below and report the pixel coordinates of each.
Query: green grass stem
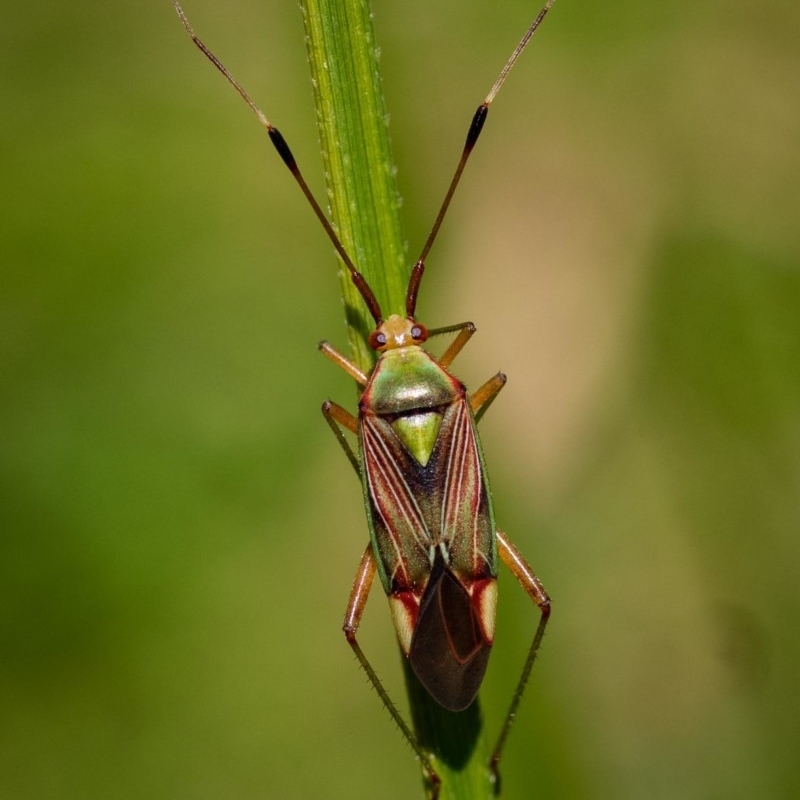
column 364, row 203
column 359, row 170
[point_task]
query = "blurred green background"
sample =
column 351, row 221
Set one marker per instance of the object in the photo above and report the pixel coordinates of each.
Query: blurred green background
column 178, row 529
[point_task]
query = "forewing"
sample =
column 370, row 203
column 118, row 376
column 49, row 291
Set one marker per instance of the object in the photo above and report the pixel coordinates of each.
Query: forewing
column 467, row 526
column 449, row 652
column 394, row 481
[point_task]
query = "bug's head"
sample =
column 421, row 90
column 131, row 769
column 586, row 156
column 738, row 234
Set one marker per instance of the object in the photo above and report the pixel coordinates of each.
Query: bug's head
column 396, row 332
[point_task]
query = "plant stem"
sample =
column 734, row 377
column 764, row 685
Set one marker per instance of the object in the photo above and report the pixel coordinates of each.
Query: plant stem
column 360, row 175
column 364, row 199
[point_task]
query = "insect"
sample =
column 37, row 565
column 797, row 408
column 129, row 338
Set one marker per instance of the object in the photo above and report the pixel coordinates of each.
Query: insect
column 433, row 543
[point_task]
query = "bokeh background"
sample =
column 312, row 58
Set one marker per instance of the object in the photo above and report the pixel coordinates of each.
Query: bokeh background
column 178, row 529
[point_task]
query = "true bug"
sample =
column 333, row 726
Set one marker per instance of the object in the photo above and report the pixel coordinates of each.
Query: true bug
column 433, row 539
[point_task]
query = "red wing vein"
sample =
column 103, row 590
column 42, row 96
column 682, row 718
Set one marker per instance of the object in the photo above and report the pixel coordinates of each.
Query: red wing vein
column 463, row 483
column 391, row 494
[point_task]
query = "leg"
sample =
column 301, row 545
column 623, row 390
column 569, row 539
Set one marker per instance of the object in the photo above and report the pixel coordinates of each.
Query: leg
column 533, row 586
column 352, row 619
column 465, row 331
column 348, row 366
column 338, row 418
column 482, row 398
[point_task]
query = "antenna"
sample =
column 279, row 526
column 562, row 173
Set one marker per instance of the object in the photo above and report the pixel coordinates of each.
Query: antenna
column 475, row 128
column 288, row 159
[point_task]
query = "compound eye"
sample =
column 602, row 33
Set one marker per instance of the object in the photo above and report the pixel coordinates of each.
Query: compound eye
column 377, row 340
column 419, row 333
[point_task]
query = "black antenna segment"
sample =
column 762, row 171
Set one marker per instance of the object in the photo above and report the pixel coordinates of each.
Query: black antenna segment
column 288, row 159
column 475, row 128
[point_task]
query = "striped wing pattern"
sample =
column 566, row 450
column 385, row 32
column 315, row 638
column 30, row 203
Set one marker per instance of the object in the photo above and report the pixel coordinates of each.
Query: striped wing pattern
column 401, row 532
column 415, row 508
column 465, row 523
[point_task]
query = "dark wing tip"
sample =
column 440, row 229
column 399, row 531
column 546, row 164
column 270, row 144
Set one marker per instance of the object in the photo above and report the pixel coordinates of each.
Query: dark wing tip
column 448, row 652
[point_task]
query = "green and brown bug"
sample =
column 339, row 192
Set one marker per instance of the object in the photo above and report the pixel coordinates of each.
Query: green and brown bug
column 434, row 542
